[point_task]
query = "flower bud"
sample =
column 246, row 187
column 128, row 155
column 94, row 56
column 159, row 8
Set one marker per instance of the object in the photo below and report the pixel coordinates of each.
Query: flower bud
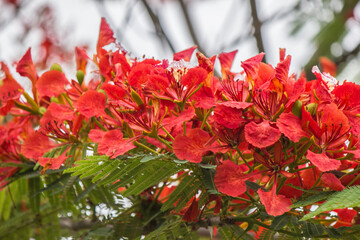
column 296, row 109
column 136, row 97
column 80, row 76
column 56, row 67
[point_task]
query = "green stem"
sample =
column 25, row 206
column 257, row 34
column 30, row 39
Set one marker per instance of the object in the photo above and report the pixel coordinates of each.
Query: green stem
column 26, row 108
column 167, row 133
column 145, row 147
column 164, row 142
column 243, row 158
column 99, row 124
column 205, row 118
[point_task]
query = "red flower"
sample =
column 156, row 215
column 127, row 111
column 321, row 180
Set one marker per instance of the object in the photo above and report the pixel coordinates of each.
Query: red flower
column 36, row 145
column 192, row 213
column 331, row 181
column 53, row 120
column 226, row 60
column 184, row 55
column 26, row 68
column 81, row 59
column 261, row 135
column 275, row 205
column 51, row 83
column 91, row 103
column 52, row 163
column 106, row 36
column 322, row 161
column 231, row 114
column 111, row 143
column 10, row 90
column 290, row 126
column 346, row 217
column 230, row 178
column 192, row 146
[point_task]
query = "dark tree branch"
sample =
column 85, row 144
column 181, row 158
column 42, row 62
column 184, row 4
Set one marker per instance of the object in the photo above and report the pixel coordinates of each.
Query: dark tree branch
column 189, row 25
column 157, row 25
column 76, row 226
column 346, row 56
column 257, row 24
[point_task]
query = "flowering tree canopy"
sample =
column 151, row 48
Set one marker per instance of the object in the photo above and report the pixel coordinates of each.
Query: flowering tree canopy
column 156, row 149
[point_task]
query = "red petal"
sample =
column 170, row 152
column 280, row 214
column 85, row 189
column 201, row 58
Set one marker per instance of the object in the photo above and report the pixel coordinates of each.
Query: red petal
column 36, row 145
column 106, row 35
column 261, row 135
column 348, row 93
column 282, row 52
column 111, row 143
column 91, row 103
column 346, row 217
column 51, row 83
column 184, row 55
column 275, row 205
column 204, row 98
column 307, row 122
column 58, row 113
column 230, row 178
column 265, row 73
column 192, row 212
column 26, row 67
column 229, row 114
column 331, row 181
column 139, row 74
column 53, row 163
column 9, row 88
column 192, row 146
column 328, row 66
column 322, row 161
column 333, row 116
column 184, row 116
column 282, row 70
column 251, row 65
column 290, row 126
column 194, row 77
column 226, row 60
column 113, row 92
column 81, row 59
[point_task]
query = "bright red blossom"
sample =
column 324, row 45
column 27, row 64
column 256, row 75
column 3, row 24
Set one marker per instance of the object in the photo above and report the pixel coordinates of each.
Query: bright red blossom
column 192, row 146
column 91, row 103
column 111, row 143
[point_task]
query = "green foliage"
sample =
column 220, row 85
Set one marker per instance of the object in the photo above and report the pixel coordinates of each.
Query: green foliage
column 349, row 197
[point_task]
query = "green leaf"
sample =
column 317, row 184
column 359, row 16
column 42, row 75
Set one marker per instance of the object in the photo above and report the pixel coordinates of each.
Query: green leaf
column 85, row 192
column 150, row 158
column 230, row 232
column 208, row 180
column 279, row 222
column 34, row 197
column 154, row 173
column 349, row 197
column 186, row 189
column 312, row 199
column 312, row 230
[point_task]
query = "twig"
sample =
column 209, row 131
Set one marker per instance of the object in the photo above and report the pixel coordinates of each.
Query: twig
column 157, row 25
column 257, row 24
column 190, row 25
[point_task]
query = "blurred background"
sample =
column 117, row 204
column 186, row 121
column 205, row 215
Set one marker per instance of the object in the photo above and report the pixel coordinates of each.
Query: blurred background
column 158, row 28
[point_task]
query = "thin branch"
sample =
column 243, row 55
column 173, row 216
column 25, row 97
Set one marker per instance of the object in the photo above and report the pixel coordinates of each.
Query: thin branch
column 105, row 13
column 157, row 25
column 189, row 25
column 76, row 226
column 257, row 24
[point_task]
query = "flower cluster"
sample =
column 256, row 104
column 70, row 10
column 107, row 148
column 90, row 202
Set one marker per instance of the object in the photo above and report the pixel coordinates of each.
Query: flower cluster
column 262, row 126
